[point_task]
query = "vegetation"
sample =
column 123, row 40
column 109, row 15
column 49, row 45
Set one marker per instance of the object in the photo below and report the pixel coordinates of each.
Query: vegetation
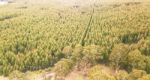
column 96, row 73
column 36, row 37
column 63, row 67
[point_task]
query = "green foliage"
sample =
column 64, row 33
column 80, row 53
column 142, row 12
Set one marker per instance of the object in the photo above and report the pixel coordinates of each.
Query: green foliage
column 90, row 56
column 122, row 75
column 133, row 37
column 96, row 73
column 136, row 60
column 145, row 77
column 38, row 60
column 23, row 62
column 37, row 37
column 4, row 17
column 147, row 64
column 118, row 55
column 77, row 53
column 67, row 51
column 16, row 75
column 135, row 74
column 145, row 46
column 63, row 67
column 127, row 38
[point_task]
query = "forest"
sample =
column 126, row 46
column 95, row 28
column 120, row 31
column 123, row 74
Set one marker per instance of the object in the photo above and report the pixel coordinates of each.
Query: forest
column 95, row 40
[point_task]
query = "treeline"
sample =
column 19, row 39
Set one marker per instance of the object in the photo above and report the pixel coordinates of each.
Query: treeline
column 128, row 61
column 23, row 56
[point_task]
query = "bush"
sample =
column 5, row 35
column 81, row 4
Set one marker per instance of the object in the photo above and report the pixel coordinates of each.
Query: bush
column 67, row 51
column 91, row 56
column 96, row 73
column 118, row 55
column 63, row 67
column 135, row 74
column 77, row 52
column 136, row 60
column 122, row 75
column 145, row 77
column 16, row 75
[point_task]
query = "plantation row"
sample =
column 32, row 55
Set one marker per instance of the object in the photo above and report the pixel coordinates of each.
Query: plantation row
column 36, row 38
column 32, row 41
column 129, row 62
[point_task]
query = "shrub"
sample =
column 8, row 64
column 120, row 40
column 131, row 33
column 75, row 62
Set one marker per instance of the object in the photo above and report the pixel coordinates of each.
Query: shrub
column 16, row 75
column 77, row 52
column 91, row 56
column 145, row 77
column 122, row 75
column 67, row 51
column 135, row 74
column 136, row 60
column 118, row 55
column 96, row 73
column 63, row 67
